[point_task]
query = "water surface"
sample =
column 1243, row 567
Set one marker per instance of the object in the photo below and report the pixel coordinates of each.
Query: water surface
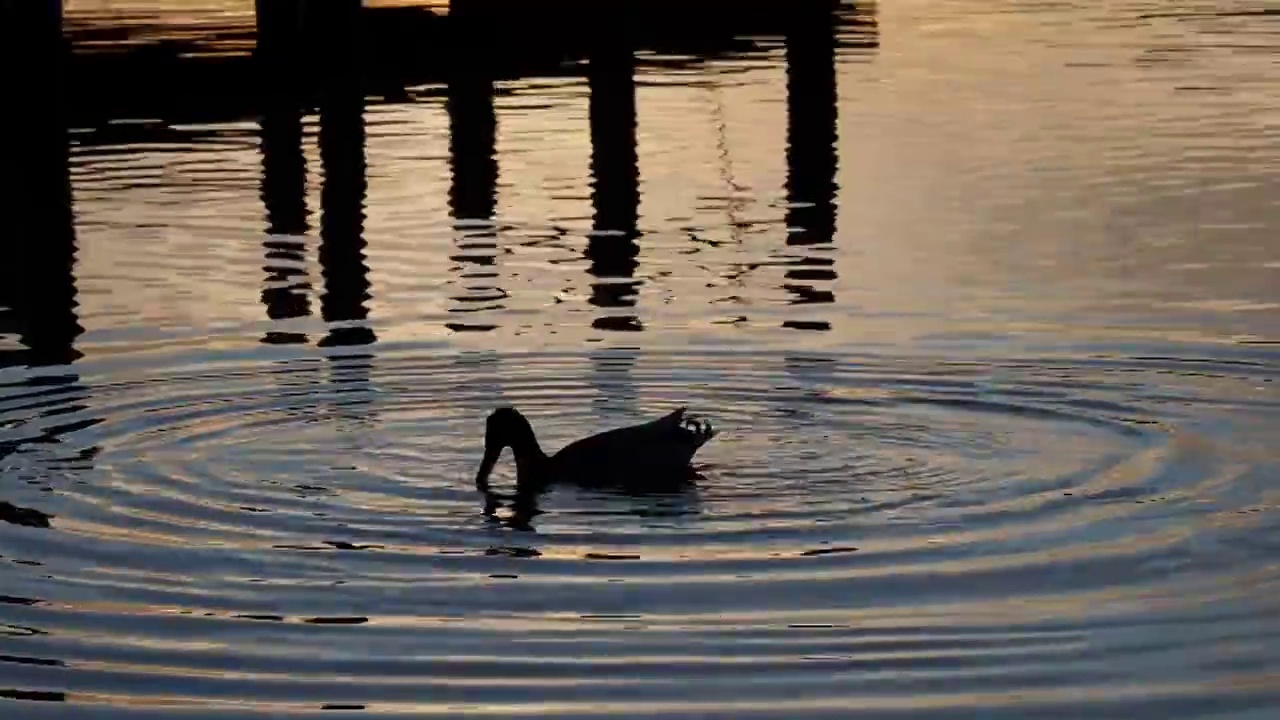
column 983, row 297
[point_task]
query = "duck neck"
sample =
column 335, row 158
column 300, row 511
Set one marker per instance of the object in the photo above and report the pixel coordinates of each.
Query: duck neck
column 531, row 461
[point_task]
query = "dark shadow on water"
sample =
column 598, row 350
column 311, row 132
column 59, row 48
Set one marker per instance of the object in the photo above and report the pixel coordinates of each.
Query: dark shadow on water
column 32, row 695
column 24, row 516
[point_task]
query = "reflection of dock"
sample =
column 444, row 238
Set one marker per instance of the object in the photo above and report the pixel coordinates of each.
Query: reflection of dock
column 473, row 192
column 371, row 56
column 612, row 247
column 216, row 75
column 37, row 280
column 812, row 102
column 38, row 293
column 342, row 197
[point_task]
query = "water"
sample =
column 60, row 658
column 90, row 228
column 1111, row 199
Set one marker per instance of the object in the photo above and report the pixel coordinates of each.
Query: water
column 995, row 376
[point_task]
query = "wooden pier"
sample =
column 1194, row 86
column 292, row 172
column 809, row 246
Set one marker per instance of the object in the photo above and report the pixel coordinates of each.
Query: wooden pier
column 334, row 57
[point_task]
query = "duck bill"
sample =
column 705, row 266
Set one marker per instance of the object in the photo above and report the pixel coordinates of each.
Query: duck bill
column 491, row 453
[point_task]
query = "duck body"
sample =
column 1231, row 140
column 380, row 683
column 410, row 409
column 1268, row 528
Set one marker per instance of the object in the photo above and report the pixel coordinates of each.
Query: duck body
column 650, row 456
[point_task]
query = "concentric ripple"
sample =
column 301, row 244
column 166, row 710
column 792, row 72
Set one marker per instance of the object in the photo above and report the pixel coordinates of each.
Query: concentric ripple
column 906, row 535
column 981, row 296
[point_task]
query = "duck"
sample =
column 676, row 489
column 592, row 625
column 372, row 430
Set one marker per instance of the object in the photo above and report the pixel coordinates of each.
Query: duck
column 654, row 455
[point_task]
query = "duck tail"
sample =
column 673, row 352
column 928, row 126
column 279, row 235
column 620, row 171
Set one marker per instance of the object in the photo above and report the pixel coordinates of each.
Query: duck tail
column 699, row 429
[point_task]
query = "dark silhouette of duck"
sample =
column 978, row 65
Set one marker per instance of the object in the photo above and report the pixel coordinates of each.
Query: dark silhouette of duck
column 651, row 456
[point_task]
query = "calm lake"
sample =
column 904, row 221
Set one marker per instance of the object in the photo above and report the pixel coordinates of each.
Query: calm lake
column 983, row 297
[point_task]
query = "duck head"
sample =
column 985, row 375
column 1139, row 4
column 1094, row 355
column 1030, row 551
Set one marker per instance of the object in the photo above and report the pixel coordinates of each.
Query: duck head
column 506, row 427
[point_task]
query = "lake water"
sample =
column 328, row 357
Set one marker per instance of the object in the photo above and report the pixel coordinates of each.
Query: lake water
column 983, row 297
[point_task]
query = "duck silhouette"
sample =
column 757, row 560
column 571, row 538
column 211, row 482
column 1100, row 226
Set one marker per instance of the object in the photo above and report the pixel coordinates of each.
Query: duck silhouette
column 652, row 456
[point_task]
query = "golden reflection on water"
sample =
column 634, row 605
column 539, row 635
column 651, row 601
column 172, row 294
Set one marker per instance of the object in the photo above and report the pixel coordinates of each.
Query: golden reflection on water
column 1048, row 194
column 1010, row 179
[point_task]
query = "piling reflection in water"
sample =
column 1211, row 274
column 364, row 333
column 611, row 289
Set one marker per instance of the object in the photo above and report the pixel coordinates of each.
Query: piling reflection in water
column 39, row 304
column 44, row 306
column 612, row 378
column 347, row 288
column 998, row 528
column 473, row 161
column 473, row 167
column 612, row 247
column 286, row 291
column 343, row 164
column 312, row 59
column 39, row 286
column 812, row 107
